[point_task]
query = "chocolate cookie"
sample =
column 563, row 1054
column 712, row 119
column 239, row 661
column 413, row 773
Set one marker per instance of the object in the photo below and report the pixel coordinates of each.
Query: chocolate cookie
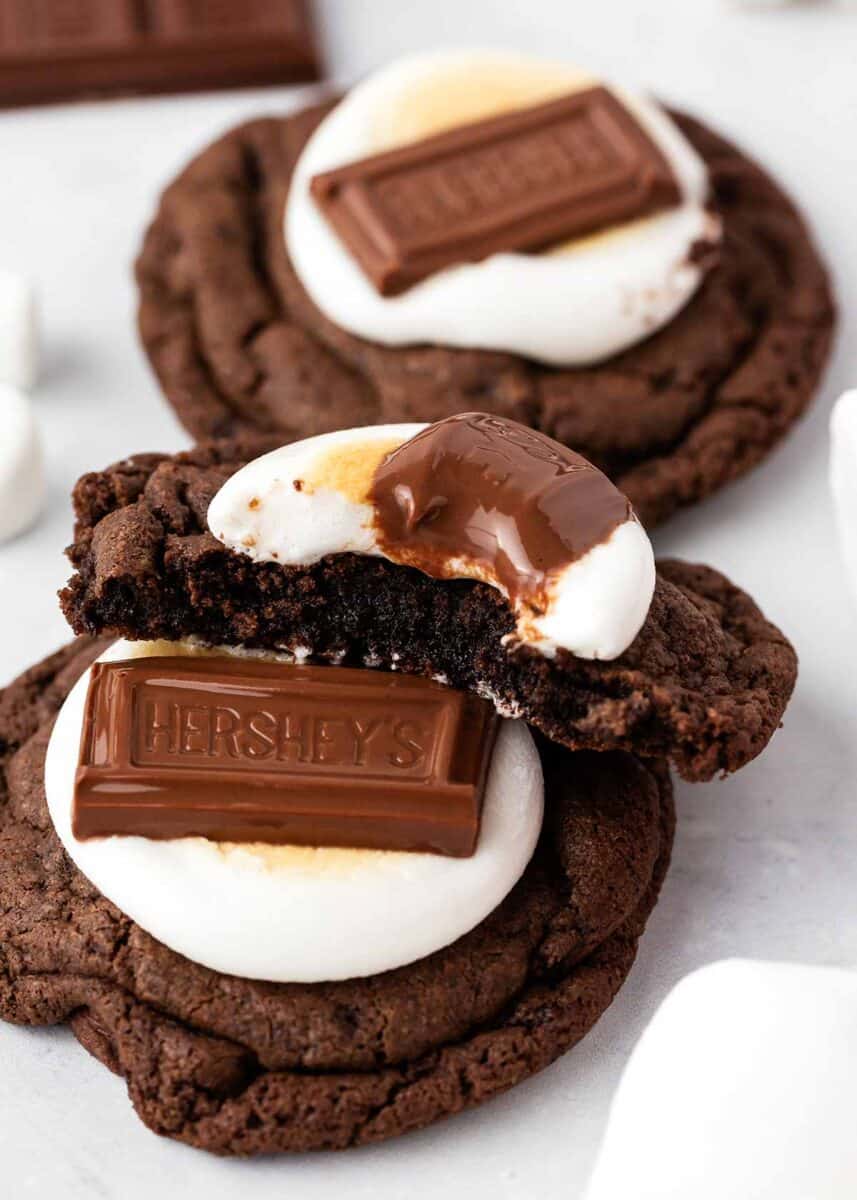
column 704, row 683
column 242, row 1067
column 238, row 345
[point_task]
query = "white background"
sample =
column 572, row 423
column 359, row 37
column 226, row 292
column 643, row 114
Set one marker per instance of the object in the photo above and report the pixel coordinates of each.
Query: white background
column 764, row 864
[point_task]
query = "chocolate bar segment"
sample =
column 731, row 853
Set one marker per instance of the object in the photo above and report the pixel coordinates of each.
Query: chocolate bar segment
column 54, row 26
column 66, row 49
column 521, row 181
column 194, row 18
column 244, row 751
column 495, row 493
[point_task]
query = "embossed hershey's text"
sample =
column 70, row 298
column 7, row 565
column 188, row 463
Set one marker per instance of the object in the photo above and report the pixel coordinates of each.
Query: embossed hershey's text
column 169, row 732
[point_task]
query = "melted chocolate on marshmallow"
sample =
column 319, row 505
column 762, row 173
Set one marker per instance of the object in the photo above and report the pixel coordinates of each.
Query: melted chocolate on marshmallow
column 490, row 491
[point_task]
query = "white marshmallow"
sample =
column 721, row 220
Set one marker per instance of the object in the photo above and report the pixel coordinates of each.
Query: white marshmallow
column 742, row 1086
column 19, row 331
column 22, row 482
column 571, row 306
column 843, row 479
column 291, row 506
column 296, row 913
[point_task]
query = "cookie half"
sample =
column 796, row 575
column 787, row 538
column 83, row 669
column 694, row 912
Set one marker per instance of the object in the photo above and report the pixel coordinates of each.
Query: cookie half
column 242, row 1067
column 704, row 683
column 238, row 345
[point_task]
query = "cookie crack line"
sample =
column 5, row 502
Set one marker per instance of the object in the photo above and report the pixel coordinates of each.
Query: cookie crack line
column 311, row 371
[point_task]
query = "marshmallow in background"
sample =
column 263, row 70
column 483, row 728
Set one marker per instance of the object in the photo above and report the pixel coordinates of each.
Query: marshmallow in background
column 19, row 331
column 22, row 481
column 743, row 1086
column 843, row 479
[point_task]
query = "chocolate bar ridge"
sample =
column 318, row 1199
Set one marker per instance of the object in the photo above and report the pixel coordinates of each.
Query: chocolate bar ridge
column 521, row 181
column 73, row 49
column 246, row 751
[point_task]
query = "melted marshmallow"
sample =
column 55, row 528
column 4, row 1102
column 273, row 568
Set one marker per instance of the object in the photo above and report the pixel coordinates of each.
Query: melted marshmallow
column 579, row 303
column 302, row 914
column 307, row 500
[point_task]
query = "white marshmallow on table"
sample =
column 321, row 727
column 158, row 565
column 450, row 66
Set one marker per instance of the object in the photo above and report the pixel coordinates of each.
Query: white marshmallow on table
column 309, row 499
column 574, row 304
column 743, row 1087
column 843, row 479
column 19, row 333
column 22, row 481
column 303, row 914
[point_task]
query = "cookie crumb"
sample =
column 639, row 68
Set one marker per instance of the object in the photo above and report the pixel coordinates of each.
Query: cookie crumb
column 298, row 485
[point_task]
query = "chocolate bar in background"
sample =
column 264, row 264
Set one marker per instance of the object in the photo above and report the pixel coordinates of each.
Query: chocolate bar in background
column 238, row 750
column 521, row 181
column 76, row 49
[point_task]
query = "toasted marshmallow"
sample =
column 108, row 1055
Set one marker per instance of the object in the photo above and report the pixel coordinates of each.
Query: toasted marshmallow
column 298, row 504
column 575, row 303
column 302, row 914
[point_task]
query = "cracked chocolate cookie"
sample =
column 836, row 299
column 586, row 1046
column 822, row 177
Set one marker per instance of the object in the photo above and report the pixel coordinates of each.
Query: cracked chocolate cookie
column 238, row 1066
column 321, row 849
column 673, row 345
column 703, row 683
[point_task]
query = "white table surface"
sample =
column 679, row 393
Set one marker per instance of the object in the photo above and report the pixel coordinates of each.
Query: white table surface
column 763, row 863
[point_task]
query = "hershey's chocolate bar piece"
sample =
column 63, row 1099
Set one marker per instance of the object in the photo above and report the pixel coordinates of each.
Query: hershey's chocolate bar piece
column 242, row 751
column 61, row 49
column 520, row 181
column 459, row 487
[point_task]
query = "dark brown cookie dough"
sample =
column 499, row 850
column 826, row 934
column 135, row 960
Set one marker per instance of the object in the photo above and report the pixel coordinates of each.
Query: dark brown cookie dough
column 705, row 682
column 243, row 1067
column 238, row 345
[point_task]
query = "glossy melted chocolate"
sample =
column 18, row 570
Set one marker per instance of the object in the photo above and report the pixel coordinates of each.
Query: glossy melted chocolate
column 513, row 502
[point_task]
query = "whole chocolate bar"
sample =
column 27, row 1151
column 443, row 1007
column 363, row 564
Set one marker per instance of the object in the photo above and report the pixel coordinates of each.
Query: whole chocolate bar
column 521, row 181
column 61, row 49
column 245, row 751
